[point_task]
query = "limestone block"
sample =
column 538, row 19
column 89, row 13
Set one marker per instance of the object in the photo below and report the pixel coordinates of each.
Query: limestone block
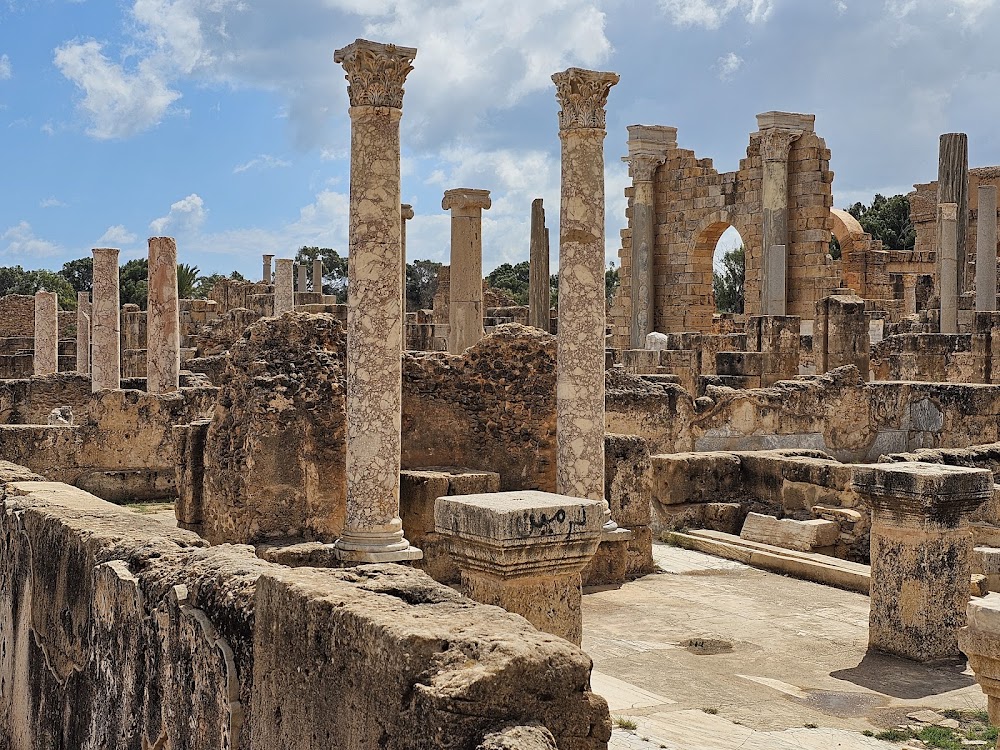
column 694, row 477
column 980, row 642
column 628, row 479
column 789, row 533
column 519, row 738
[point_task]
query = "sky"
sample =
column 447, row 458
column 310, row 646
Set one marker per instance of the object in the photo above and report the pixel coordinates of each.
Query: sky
column 223, row 123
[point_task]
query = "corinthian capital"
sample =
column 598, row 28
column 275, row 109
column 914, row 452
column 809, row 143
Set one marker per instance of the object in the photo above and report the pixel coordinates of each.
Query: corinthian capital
column 641, row 167
column 375, row 72
column 775, row 143
column 582, row 95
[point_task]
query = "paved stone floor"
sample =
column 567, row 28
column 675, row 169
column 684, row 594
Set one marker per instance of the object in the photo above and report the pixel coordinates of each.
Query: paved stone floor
column 711, row 654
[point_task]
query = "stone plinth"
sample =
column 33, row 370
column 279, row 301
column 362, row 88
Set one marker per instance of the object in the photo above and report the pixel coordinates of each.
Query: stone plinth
column 284, row 286
column 921, row 551
column 539, row 284
column 83, row 312
column 46, row 359
column 524, row 551
column 105, row 323
column 840, row 334
column 986, row 249
column 465, row 313
column 947, row 257
column 163, row 342
column 266, row 275
column 980, row 642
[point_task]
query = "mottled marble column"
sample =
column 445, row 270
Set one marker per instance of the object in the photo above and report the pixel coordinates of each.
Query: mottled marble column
column 582, row 95
column 465, row 311
column 163, row 329
column 953, row 187
column 986, row 249
column 947, row 257
column 105, row 322
column 909, row 294
column 648, row 146
column 284, row 286
column 317, row 276
column 266, row 276
column 539, row 285
column 303, row 279
column 46, row 359
column 83, row 312
column 373, row 531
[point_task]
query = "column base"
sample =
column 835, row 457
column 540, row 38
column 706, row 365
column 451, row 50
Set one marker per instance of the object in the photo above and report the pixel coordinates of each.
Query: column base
column 361, row 557
column 374, row 547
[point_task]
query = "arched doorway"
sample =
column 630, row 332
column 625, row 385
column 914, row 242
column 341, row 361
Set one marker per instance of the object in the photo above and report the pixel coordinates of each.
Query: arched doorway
column 729, row 272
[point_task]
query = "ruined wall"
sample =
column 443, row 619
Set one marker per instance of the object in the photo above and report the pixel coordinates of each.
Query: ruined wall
column 931, row 357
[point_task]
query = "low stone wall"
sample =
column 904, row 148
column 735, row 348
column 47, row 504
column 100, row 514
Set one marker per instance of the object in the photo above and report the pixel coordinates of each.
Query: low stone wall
column 931, row 357
column 118, row 630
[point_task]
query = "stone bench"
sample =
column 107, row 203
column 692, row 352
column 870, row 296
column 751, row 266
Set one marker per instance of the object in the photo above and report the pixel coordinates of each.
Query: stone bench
column 813, row 535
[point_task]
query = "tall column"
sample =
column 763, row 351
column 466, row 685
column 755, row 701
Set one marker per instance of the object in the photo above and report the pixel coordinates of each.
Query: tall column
column 465, row 313
column 909, row 294
column 539, row 289
column 582, row 95
column 266, row 273
column 775, row 144
column 373, row 530
column 317, row 276
column 284, row 286
column 986, row 249
column 303, row 280
column 947, row 221
column 405, row 213
column 648, row 146
column 46, row 358
column 83, row 313
column 953, row 187
column 163, row 328
column 105, row 323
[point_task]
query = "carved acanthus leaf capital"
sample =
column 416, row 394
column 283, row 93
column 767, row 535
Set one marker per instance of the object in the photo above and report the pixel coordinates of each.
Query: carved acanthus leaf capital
column 775, row 143
column 582, row 95
column 375, row 72
column 642, row 167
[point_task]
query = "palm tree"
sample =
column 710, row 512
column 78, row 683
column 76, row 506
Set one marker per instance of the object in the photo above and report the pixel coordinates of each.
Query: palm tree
column 187, row 277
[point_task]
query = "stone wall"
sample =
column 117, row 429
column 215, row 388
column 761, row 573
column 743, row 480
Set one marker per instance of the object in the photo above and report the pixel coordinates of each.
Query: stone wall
column 931, row 357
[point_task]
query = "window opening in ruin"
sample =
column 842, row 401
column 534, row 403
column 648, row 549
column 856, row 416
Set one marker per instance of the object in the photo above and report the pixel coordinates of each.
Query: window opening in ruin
column 729, row 272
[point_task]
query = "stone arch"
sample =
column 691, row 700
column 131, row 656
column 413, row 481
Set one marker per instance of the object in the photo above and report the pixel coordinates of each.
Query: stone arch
column 702, row 254
column 855, row 243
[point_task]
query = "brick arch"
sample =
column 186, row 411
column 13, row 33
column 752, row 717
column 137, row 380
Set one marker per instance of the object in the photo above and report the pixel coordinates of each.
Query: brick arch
column 705, row 243
column 855, row 246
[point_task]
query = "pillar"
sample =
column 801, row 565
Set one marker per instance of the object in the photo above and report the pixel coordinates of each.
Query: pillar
column 980, row 642
column 582, row 95
column 986, row 249
column 373, row 531
column 284, row 286
column 840, row 334
column 405, row 213
column 648, row 146
column 303, row 280
column 953, row 187
column 539, row 286
column 105, row 323
column 317, row 276
column 947, row 255
column 163, row 329
column 46, row 357
column 465, row 313
column 921, row 549
column 910, row 293
column 83, row 312
column 266, row 276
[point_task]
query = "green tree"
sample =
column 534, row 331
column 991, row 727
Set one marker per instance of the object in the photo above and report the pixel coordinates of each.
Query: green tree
column 203, row 285
column 133, row 282
column 888, row 220
column 612, row 279
column 334, row 269
column 728, row 285
column 187, row 278
column 421, row 284
column 79, row 273
column 512, row 279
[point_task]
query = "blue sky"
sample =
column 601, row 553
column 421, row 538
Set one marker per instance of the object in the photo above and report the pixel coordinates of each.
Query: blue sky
column 224, row 122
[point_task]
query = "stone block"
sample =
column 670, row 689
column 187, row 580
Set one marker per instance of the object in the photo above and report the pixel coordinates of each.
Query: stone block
column 627, row 479
column 694, row 477
column 789, row 533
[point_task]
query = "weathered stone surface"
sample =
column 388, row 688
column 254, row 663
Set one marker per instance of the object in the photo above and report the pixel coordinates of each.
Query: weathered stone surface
column 539, row 283
column 465, row 321
column 163, row 353
column 106, row 368
column 519, row 738
column 46, row 351
column 805, row 536
column 980, row 642
column 284, row 286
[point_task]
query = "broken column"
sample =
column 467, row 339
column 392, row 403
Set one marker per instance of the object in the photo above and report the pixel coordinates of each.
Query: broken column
column 163, row 342
column 266, row 276
column 921, row 550
column 986, row 249
column 105, row 323
column 317, row 276
column 524, row 551
column 947, row 223
column 83, row 333
column 980, row 642
column 539, row 286
column 840, row 334
column 284, row 286
column 465, row 313
column 648, row 146
column 46, row 358
column 953, row 187
column 373, row 531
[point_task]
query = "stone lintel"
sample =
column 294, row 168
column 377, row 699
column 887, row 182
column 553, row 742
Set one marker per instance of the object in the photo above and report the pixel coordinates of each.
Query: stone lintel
column 935, row 493
column 465, row 198
column 786, row 121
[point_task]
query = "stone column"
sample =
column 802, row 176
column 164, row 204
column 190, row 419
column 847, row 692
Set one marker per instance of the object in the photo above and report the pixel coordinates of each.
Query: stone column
column 405, row 213
column 303, row 279
column 921, row 550
column 105, row 323
column 163, row 329
column 373, row 531
column 83, row 311
column 648, row 146
column 986, row 249
column 266, row 276
column 582, row 95
column 284, row 286
column 947, row 258
column 980, row 642
column 317, row 276
column 775, row 144
column 465, row 313
column 953, row 187
column 46, row 357
column 910, row 293
column 539, row 291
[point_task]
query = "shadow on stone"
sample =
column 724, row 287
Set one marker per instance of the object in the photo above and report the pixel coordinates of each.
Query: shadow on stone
column 901, row 678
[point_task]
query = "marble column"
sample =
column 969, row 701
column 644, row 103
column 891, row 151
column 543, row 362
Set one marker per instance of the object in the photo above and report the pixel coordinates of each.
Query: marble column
column 105, row 322
column 582, row 95
column 373, row 530
column 317, row 276
column 953, row 187
column 163, row 329
column 266, row 276
column 775, row 145
column 909, row 294
column 648, row 146
column 405, row 213
column 947, row 258
column 986, row 249
column 284, row 286
column 83, row 312
column 465, row 312
column 539, row 286
column 46, row 358
column 303, row 279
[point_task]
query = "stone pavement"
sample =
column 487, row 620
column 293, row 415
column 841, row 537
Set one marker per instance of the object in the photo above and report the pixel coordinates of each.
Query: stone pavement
column 780, row 663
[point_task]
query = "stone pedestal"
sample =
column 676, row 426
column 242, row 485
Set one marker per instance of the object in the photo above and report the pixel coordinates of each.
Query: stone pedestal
column 921, row 549
column 840, row 334
column 163, row 342
column 776, row 339
column 105, row 324
column 465, row 313
column 986, row 249
column 46, row 359
column 284, row 286
column 953, row 187
column 317, row 276
column 648, row 146
column 373, row 531
column 266, row 275
column 539, row 285
column 524, row 551
column 83, row 312
column 947, row 257
column 980, row 642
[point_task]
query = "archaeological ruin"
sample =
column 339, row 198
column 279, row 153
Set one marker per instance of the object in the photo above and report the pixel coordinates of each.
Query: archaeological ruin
column 269, row 519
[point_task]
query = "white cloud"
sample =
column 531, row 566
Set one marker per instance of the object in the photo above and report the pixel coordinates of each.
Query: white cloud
column 841, row 7
column 51, row 203
column 116, row 236
column 264, row 161
column 186, row 215
column 711, row 13
column 728, row 65
column 6, row 71
column 20, row 242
